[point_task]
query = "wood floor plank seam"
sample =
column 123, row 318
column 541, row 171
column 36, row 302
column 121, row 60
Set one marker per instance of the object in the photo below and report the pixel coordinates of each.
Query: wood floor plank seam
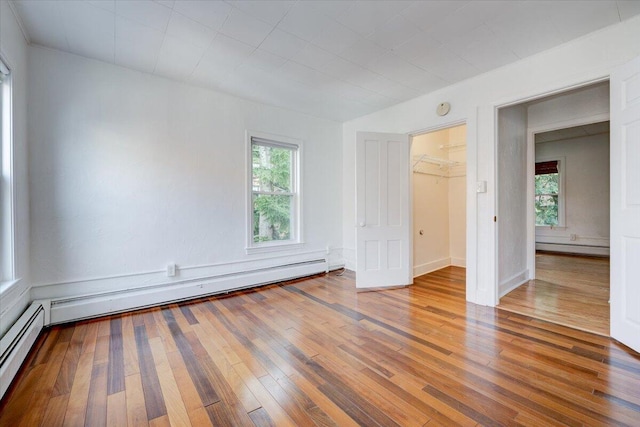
column 154, row 402
column 314, row 351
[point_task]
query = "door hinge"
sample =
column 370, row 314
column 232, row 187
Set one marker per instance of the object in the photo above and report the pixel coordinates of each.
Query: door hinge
column 495, row 219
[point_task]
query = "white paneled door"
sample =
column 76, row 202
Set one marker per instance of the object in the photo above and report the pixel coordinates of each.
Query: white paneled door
column 625, row 204
column 383, row 210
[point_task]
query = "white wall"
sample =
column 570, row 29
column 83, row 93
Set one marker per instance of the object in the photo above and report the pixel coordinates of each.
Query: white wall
column 512, row 197
column 586, row 176
column 431, row 250
column 586, row 59
column 564, row 110
column 13, row 47
column 130, row 172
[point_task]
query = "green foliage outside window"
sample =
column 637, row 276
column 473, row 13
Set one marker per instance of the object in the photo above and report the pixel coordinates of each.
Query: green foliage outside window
column 547, row 188
column 272, row 193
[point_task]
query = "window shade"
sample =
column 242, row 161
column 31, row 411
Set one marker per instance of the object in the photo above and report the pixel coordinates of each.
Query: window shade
column 543, row 168
column 270, row 143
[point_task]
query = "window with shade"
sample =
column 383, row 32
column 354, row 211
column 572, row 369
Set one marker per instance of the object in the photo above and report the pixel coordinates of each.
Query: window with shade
column 274, row 217
column 549, row 202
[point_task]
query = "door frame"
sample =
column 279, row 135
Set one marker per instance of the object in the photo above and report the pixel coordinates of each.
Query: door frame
column 530, row 173
column 431, row 129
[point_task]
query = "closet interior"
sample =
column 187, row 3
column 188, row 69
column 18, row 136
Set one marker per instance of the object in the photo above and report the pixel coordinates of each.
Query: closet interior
column 439, row 199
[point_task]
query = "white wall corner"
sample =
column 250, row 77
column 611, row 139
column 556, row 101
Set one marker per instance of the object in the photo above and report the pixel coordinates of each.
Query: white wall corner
column 459, row 262
column 428, row 267
column 349, row 256
column 335, row 259
column 513, row 282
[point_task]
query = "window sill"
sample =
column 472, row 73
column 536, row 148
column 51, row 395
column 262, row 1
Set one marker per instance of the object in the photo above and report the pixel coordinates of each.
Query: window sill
column 278, row 247
column 8, row 284
column 551, row 227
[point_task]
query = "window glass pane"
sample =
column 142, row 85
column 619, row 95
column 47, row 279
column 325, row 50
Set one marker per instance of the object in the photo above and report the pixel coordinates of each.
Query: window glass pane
column 272, row 217
column 547, row 183
column 272, row 168
column 547, row 210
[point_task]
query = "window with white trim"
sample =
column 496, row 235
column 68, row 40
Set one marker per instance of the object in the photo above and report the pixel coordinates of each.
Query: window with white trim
column 6, row 179
column 274, row 193
column 549, row 195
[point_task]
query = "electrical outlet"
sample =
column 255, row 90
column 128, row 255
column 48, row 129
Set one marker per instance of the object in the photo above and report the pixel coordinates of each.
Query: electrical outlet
column 171, row 270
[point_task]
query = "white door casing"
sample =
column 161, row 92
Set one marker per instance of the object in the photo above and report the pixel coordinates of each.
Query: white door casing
column 625, row 204
column 383, row 214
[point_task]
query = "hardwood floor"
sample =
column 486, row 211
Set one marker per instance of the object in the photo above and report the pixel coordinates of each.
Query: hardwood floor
column 569, row 290
column 316, row 352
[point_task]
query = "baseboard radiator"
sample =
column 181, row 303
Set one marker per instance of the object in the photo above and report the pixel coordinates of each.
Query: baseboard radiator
column 16, row 343
column 99, row 304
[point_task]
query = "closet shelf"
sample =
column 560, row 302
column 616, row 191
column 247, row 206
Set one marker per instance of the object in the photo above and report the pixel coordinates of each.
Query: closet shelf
column 434, row 161
column 435, row 166
column 440, row 175
column 452, row 146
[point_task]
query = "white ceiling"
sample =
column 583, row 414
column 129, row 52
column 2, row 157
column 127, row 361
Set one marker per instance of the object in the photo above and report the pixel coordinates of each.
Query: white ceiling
column 333, row 59
column 573, row 132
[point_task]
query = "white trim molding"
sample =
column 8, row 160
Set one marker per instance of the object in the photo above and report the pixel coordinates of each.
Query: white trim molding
column 513, row 282
column 573, row 249
column 428, row 267
column 296, row 240
column 99, row 296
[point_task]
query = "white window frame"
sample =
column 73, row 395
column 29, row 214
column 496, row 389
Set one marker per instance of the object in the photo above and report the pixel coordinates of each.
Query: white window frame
column 561, row 193
column 296, row 146
column 7, row 214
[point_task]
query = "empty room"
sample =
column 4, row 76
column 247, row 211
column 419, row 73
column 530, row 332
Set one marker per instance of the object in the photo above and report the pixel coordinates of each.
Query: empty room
column 310, row 212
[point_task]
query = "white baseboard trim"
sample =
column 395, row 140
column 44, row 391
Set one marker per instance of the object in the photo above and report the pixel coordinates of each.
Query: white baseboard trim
column 17, row 342
column 78, row 306
column 459, row 262
column 513, row 282
column 419, row 270
column 573, row 249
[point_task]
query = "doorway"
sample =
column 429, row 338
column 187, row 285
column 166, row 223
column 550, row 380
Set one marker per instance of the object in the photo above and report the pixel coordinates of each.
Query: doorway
column 562, row 160
column 439, row 188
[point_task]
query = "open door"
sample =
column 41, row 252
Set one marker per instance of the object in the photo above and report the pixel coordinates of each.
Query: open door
column 383, row 214
column 625, row 204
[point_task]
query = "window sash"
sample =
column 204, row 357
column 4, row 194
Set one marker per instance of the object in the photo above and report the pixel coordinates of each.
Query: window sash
column 294, row 233
column 293, row 164
column 274, row 193
column 549, row 167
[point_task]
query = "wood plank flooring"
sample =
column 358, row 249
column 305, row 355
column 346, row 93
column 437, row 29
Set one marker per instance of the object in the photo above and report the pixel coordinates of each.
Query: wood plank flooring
column 316, row 352
column 570, row 290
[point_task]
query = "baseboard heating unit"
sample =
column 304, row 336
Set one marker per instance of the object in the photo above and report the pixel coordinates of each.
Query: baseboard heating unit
column 16, row 343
